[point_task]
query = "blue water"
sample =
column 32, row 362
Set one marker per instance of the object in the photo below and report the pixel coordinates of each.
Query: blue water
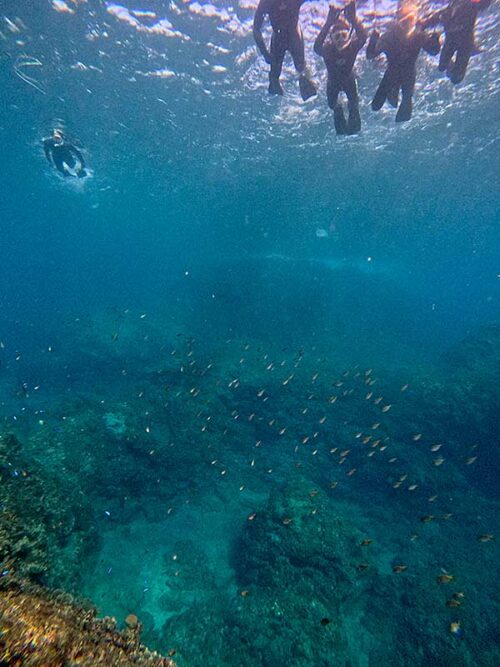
column 202, row 341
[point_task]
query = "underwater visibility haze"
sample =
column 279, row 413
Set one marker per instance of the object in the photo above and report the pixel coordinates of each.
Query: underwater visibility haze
column 248, row 367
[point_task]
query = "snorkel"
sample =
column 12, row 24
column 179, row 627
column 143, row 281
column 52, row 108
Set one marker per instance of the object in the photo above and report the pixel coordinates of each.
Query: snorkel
column 340, row 34
column 57, row 137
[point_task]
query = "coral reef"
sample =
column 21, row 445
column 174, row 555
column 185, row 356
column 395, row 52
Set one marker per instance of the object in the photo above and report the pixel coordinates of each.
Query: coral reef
column 298, row 580
column 115, row 423
column 45, row 529
column 45, row 524
column 41, row 629
column 264, row 506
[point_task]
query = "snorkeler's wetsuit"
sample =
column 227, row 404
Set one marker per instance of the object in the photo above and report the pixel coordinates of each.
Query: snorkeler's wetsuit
column 64, row 156
column 401, row 49
column 458, row 20
column 287, row 36
column 339, row 65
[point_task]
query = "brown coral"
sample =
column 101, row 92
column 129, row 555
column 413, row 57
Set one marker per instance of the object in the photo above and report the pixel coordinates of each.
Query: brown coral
column 40, row 628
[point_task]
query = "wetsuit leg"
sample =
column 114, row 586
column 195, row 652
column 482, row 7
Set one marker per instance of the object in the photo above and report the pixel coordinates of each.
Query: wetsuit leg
column 69, row 160
column 407, row 87
column 277, row 51
column 456, row 71
column 446, row 55
column 60, row 164
column 332, row 95
column 385, row 86
column 393, row 97
column 297, row 50
column 351, row 90
column 296, row 46
column 339, row 119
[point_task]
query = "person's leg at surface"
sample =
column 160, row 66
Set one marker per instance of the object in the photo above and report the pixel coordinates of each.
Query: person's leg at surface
column 69, row 161
column 306, row 86
column 407, row 87
column 277, row 51
column 60, row 165
column 446, row 55
column 339, row 119
column 393, row 96
column 456, row 71
column 354, row 120
column 332, row 95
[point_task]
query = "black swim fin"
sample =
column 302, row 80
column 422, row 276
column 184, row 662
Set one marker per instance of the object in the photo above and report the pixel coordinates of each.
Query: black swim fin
column 339, row 120
column 275, row 87
column 404, row 111
column 354, row 122
column 307, row 88
column 393, row 97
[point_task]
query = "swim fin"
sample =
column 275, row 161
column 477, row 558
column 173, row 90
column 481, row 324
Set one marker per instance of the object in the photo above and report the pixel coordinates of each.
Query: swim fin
column 380, row 97
column 354, row 122
column 339, row 120
column 393, row 97
column 307, row 88
column 404, row 111
column 275, row 87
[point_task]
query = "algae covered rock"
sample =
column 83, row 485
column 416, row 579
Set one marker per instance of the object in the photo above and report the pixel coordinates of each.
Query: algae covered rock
column 296, row 584
column 298, row 565
column 298, row 537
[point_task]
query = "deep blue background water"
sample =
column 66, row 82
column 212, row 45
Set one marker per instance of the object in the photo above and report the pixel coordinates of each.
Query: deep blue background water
column 176, row 180
column 204, row 204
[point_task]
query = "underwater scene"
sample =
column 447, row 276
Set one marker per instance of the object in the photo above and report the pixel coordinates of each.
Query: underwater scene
column 249, row 333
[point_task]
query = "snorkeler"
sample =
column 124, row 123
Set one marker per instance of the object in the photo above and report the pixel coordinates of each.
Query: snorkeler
column 64, row 155
column 339, row 49
column 287, row 36
column 458, row 20
column 401, row 43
